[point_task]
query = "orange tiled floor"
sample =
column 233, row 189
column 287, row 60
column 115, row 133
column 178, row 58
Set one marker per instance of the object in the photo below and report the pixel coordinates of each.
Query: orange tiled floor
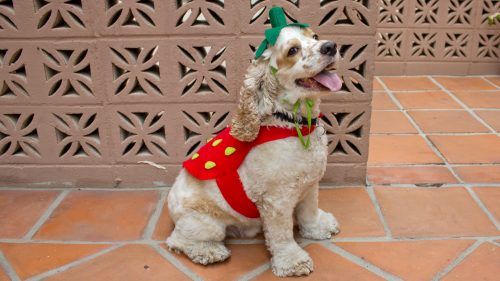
column 430, row 210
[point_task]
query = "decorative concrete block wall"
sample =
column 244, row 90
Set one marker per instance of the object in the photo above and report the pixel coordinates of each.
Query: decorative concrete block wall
column 89, row 88
column 450, row 37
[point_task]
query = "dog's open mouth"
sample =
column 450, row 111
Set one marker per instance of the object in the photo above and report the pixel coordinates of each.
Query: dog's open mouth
column 323, row 81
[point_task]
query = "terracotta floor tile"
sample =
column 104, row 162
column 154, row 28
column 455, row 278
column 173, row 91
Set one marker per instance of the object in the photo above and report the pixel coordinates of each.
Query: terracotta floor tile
column 410, row 260
column 32, row 259
column 464, row 83
column 400, row 149
column 164, row 226
column 130, row 262
column 100, row 216
column 3, row 275
column 415, row 175
column 494, row 79
column 480, row 99
column 478, row 174
column 426, row 100
column 492, row 118
column 447, row 122
column 417, row 212
column 490, row 196
column 409, row 83
column 482, row 264
column 390, row 122
column 382, row 101
column 244, row 258
column 377, row 86
column 469, row 149
column 20, row 210
column 327, row 266
column 353, row 209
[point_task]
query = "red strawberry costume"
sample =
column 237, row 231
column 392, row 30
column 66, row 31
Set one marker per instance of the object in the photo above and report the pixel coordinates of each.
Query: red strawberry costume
column 221, row 157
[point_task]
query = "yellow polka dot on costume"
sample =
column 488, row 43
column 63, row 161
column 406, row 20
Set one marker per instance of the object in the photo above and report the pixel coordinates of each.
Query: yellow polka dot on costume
column 229, row 150
column 196, row 155
column 209, row 165
column 216, row 142
column 208, row 140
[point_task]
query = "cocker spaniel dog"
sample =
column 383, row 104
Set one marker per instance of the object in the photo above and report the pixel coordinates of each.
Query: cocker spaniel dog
column 262, row 172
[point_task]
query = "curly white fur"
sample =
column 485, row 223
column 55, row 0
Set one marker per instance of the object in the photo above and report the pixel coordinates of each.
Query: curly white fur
column 280, row 177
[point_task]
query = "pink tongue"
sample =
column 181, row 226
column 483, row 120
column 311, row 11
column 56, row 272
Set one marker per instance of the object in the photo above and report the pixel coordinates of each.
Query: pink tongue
column 329, row 80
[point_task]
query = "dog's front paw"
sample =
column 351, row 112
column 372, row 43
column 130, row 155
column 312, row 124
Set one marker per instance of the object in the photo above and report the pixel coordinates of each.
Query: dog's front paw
column 325, row 225
column 202, row 252
column 293, row 261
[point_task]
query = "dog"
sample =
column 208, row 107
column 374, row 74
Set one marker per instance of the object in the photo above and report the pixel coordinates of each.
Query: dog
column 281, row 177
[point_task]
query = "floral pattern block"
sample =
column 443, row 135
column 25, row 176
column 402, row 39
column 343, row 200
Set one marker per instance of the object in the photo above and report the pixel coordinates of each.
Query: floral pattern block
column 201, row 126
column 489, row 8
column 259, row 10
column 345, row 12
column 18, row 135
column 489, row 46
column 460, row 12
column 352, row 68
column 203, row 70
column 77, row 135
column 389, row 44
column 391, row 11
column 423, row 44
column 196, row 12
column 7, row 16
column 426, row 11
column 13, row 80
column 345, row 132
column 56, row 14
column 67, row 71
column 142, row 134
column 133, row 13
column 456, row 45
column 136, row 71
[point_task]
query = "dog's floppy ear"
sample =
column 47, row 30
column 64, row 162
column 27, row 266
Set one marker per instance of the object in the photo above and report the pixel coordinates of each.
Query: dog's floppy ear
column 256, row 100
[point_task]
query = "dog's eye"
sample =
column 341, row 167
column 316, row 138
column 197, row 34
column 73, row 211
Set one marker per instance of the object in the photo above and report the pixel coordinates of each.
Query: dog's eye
column 292, row 51
column 315, row 37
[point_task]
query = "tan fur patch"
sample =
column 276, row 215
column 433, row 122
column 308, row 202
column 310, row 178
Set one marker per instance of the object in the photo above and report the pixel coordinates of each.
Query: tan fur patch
column 206, row 206
column 283, row 60
column 308, row 32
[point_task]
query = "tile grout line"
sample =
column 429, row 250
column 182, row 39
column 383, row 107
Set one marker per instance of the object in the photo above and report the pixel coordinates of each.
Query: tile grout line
column 176, row 263
column 73, row 264
column 420, row 132
column 255, row 272
column 490, row 82
column 4, row 263
column 462, row 104
column 361, row 262
column 482, row 206
column 378, row 210
column 153, row 220
column 46, row 215
column 447, row 269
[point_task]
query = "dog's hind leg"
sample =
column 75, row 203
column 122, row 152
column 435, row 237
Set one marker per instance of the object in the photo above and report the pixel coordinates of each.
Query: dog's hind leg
column 200, row 237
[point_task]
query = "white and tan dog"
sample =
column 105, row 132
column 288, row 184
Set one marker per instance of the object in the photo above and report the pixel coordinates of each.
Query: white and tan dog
column 281, row 177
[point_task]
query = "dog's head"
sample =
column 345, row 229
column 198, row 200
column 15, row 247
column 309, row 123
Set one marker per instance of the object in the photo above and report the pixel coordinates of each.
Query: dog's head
column 298, row 66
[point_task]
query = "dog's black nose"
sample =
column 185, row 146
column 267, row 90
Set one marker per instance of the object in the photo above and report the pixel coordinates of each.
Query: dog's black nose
column 328, row 48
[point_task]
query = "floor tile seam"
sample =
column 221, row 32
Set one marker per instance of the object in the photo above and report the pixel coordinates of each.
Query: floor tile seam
column 155, row 216
column 176, row 263
column 465, row 106
column 378, row 210
column 455, row 262
column 254, row 273
column 411, row 239
column 360, row 262
column 483, row 207
column 490, row 82
column 420, row 132
column 46, row 214
column 73, row 264
column 7, row 267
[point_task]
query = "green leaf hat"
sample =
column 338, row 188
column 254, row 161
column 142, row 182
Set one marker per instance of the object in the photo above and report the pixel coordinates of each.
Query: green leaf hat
column 278, row 22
